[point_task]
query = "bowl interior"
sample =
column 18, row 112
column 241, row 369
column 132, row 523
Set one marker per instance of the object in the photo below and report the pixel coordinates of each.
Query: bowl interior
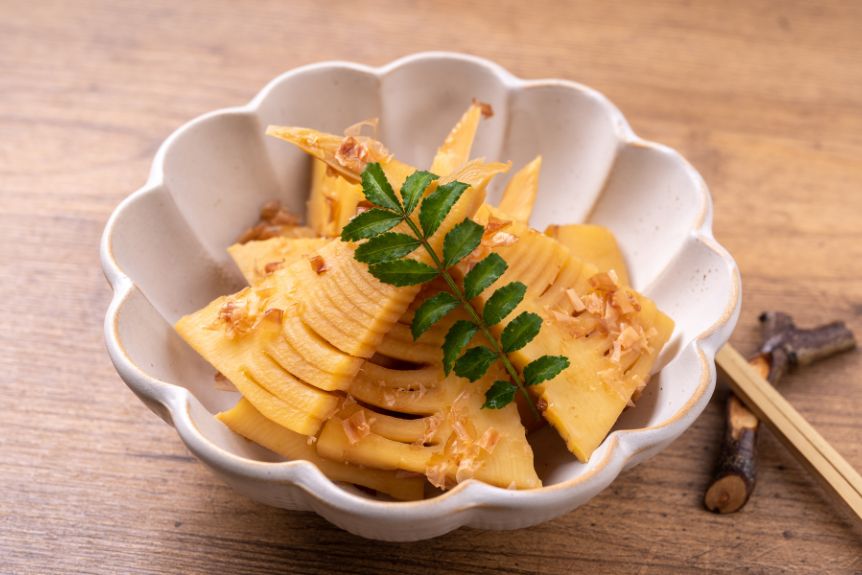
column 171, row 239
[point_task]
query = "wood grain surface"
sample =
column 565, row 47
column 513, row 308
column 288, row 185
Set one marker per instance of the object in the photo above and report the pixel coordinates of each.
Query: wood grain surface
column 765, row 99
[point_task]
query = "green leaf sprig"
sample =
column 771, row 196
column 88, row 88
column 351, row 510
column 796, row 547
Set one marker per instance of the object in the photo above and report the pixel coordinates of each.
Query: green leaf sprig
column 386, row 253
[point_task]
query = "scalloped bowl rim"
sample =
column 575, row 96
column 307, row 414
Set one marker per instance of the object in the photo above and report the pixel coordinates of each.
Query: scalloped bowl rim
column 617, row 452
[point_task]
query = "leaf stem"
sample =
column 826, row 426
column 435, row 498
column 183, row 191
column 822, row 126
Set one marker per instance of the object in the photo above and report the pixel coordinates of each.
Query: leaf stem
column 474, row 314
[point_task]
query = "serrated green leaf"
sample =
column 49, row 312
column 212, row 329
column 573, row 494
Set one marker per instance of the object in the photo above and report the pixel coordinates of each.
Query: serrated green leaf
column 431, row 311
column 376, row 188
column 414, row 185
column 475, row 362
column 499, row 395
column 503, row 301
column 403, row 272
column 386, row 247
column 544, row 368
column 520, row 331
column 369, row 224
column 460, row 241
column 484, row 274
column 436, row 206
column 457, row 338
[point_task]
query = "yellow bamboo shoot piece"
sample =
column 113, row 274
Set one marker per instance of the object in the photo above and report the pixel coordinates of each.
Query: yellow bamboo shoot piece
column 247, row 421
column 414, row 391
column 232, row 333
column 610, row 333
column 345, row 155
column 332, row 201
column 398, row 344
column 519, row 197
column 594, row 244
column 459, row 441
column 258, row 259
column 421, row 430
column 455, row 149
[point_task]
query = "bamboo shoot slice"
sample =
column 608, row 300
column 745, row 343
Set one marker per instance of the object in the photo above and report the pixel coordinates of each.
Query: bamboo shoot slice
column 332, row 201
column 247, row 421
column 455, row 149
column 282, row 398
column 257, row 259
column 585, row 400
column 519, row 197
column 594, row 244
column 489, row 445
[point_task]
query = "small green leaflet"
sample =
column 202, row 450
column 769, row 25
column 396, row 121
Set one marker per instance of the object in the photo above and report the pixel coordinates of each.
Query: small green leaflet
column 499, row 395
column 369, row 224
column 484, row 274
column 475, row 362
column 502, row 302
column 460, row 241
column 457, row 338
column 436, row 206
column 520, row 331
column 431, row 311
column 386, row 247
column 376, row 188
column 414, row 185
column 403, row 272
column 544, row 368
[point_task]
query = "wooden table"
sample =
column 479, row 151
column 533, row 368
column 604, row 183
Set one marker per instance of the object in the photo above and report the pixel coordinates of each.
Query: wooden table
column 765, row 98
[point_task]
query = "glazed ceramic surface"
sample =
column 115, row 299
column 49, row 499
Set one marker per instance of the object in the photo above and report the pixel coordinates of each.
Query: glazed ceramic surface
column 163, row 252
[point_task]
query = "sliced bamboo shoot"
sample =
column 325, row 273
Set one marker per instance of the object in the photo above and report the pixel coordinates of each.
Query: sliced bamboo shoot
column 460, row 440
column 232, row 333
column 258, row 259
column 610, row 333
column 520, row 194
column 594, row 244
column 247, row 421
column 455, row 150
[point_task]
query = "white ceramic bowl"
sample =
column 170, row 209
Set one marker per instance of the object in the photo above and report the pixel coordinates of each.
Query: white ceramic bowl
column 163, row 252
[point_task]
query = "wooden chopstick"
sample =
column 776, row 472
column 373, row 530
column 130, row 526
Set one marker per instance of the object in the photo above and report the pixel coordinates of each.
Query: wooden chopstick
column 838, row 477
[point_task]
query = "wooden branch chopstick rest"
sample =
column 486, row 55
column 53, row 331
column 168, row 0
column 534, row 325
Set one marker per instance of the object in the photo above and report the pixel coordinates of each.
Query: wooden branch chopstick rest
column 838, row 477
column 785, row 347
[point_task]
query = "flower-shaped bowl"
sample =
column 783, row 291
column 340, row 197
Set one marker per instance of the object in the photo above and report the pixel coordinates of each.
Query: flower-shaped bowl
column 163, row 251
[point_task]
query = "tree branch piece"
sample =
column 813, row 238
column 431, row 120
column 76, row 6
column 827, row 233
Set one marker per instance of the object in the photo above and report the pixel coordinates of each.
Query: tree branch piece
column 785, row 347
